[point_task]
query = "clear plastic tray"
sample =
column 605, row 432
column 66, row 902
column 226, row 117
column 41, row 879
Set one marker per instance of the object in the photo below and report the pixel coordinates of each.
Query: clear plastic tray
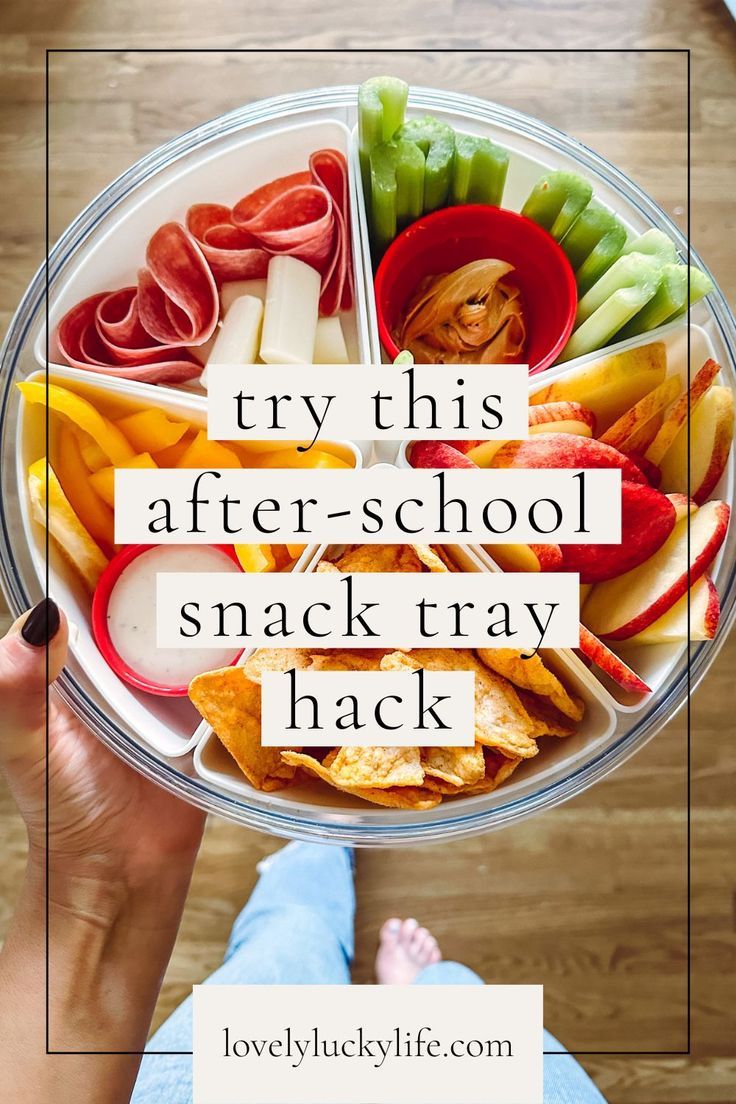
column 102, row 248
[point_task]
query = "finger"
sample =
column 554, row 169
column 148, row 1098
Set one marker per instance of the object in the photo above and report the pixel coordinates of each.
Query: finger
column 24, row 671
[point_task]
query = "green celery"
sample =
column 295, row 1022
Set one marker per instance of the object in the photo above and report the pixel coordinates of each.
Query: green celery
column 700, row 286
column 381, row 107
column 607, row 320
column 655, row 243
column 628, row 271
column 436, row 140
column 668, row 301
column 593, row 243
column 556, row 200
column 404, row 357
column 397, row 189
column 479, row 171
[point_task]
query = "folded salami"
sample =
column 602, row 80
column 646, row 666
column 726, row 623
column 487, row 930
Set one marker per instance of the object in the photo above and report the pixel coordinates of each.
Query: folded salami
column 145, row 332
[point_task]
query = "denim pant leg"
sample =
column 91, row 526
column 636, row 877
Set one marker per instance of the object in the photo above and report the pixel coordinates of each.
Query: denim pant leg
column 296, row 929
column 565, row 1080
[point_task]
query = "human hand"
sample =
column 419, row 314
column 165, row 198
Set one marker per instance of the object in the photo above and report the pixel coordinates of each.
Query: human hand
column 105, row 820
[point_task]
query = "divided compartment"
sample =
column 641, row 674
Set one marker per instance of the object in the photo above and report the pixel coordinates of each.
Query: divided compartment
column 168, row 725
column 557, row 757
column 223, row 171
column 653, row 662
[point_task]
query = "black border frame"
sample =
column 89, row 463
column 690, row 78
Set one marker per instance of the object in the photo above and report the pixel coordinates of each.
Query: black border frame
column 363, row 50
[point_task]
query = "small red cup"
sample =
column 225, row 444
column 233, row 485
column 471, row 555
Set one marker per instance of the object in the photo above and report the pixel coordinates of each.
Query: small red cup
column 101, row 633
column 454, row 236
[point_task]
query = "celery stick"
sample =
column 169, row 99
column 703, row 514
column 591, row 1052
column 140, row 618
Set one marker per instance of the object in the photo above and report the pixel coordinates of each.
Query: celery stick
column 397, row 189
column 668, row 300
column 479, row 172
column 627, row 271
column 381, row 107
column 556, row 200
column 607, row 320
column 655, row 243
column 700, row 285
column 436, row 140
column 593, row 243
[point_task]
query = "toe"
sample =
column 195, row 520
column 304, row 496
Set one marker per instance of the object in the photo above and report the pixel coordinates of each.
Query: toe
column 390, row 930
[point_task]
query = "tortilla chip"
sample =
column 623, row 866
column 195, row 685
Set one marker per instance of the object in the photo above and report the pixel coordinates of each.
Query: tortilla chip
column 532, row 674
column 429, row 557
column 275, row 659
column 327, row 567
column 456, row 766
column 547, row 720
column 380, row 557
column 498, row 768
column 436, row 785
column 231, row 705
column 401, row 797
column 501, row 721
column 378, row 768
column 339, row 659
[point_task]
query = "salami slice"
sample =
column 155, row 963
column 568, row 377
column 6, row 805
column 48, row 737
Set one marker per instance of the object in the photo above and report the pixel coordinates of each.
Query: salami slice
column 83, row 340
column 329, row 168
column 231, row 252
column 177, row 293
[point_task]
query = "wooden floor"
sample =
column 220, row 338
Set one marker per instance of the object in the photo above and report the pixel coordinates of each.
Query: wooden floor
column 589, row 899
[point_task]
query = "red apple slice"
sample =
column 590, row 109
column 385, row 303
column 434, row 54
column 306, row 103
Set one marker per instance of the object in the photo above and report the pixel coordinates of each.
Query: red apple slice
column 464, row 446
column 711, row 433
column 597, row 652
column 437, row 454
column 671, row 627
column 565, row 450
column 622, row 607
column 677, row 415
column 637, row 416
column 647, row 519
column 562, row 417
column 526, row 557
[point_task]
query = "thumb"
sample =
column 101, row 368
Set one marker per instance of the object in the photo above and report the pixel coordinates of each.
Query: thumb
column 24, row 671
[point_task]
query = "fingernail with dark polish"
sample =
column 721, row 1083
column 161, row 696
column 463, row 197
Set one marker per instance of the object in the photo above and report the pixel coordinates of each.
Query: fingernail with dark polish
column 42, row 623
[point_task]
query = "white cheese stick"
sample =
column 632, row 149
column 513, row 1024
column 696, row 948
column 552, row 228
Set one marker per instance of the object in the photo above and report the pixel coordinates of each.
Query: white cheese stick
column 329, row 342
column 238, row 336
column 292, row 307
column 233, row 289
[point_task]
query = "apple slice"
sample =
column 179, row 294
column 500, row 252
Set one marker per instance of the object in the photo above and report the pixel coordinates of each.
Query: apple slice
column 642, row 437
column 622, row 607
column 647, row 519
column 565, row 450
column 602, row 656
column 711, row 433
column 562, row 417
column 671, row 627
column 463, row 446
column 632, row 420
column 611, row 385
column 483, row 453
column 526, row 557
column 437, row 454
column 676, row 417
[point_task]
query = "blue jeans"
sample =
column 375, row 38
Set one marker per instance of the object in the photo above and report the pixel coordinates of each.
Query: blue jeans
column 297, row 928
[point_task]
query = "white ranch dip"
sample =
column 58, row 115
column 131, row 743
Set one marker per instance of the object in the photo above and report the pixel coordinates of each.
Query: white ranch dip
column 131, row 615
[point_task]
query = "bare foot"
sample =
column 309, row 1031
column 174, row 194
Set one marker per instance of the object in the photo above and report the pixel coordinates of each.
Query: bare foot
column 404, row 950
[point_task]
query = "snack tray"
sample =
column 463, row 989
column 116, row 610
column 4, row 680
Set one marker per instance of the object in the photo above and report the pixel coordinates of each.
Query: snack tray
column 162, row 738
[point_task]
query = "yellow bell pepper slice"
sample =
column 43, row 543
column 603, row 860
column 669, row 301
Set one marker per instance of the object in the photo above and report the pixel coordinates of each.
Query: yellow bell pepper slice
column 255, row 557
column 94, row 513
column 295, row 550
column 150, row 430
column 78, row 547
column 290, row 458
column 208, row 454
column 170, row 457
column 103, row 481
column 82, row 414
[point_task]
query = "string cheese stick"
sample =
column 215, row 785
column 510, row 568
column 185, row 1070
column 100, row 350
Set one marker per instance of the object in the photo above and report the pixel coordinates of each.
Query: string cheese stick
column 292, row 307
column 239, row 335
column 233, row 289
column 329, row 342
